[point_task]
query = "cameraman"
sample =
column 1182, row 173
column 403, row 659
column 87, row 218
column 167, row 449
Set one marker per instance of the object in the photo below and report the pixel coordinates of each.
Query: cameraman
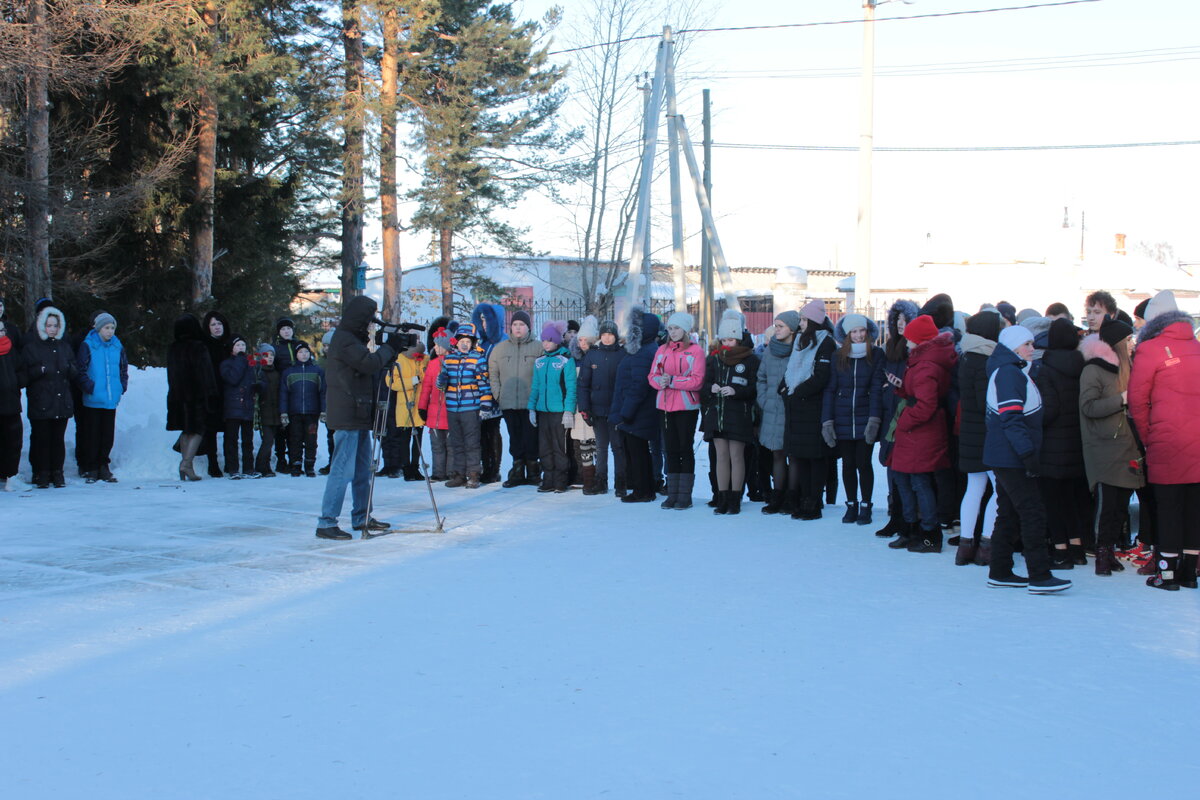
column 350, row 367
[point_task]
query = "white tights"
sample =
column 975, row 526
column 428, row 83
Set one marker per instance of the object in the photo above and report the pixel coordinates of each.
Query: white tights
column 968, row 512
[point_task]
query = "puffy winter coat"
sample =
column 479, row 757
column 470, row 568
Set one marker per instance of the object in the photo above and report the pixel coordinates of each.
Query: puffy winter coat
column 922, row 438
column 731, row 417
column 1014, row 412
column 193, row 390
column 803, row 401
column 1062, row 442
column 510, row 370
column 895, row 363
column 854, row 395
column 972, row 389
column 351, row 368
column 489, row 324
column 303, row 389
column 598, row 378
column 268, row 399
column 433, row 400
column 1164, row 395
column 49, row 370
column 683, row 363
column 404, row 379
column 553, row 382
column 465, row 380
column 1110, row 449
column 771, row 368
column 285, row 352
column 241, row 384
column 633, row 404
column 103, row 371
column 12, row 377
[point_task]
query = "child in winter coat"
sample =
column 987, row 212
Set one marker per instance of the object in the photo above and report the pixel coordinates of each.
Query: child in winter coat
column 594, row 393
column 632, row 412
column 552, row 407
column 431, row 404
column 241, row 384
column 103, row 379
column 677, row 374
column 269, row 422
column 727, row 396
column 853, row 410
column 582, row 434
column 301, row 407
column 402, row 454
column 50, row 369
column 12, row 378
column 464, row 380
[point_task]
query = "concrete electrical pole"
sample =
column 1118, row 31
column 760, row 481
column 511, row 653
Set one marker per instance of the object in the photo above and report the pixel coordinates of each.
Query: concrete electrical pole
column 866, row 147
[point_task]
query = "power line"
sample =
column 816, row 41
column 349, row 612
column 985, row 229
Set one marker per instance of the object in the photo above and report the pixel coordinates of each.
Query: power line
column 820, row 24
column 981, row 149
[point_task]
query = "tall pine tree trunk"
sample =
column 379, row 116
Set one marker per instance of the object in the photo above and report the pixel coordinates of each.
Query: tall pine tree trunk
column 206, row 173
column 37, row 199
column 445, row 237
column 387, row 165
column 353, row 146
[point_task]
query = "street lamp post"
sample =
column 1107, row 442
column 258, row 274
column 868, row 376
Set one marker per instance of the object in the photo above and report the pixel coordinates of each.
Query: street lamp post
column 866, row 146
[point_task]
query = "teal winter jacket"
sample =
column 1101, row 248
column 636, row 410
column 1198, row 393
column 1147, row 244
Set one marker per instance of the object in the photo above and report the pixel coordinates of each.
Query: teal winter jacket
column 553, row 382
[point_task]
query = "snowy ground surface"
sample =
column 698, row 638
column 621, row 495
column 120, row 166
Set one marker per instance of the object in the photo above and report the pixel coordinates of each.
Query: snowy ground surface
column 161, row 640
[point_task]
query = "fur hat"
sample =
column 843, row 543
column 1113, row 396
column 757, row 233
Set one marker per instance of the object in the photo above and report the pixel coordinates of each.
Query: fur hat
column 284, row 322
column 589, row 329
column 551, row 333
column 921, row 330
column 682, row 319
column 102, row 319
column 814, row 311
column 1161, row 303
column 643, row 329
column 608, row 326
column 1008, row 311
column 1114, row 330
column 520, row 315
column 1014, row 336
column 731, row 325
column 789, row 318
column 941, row 308
column 44, row 314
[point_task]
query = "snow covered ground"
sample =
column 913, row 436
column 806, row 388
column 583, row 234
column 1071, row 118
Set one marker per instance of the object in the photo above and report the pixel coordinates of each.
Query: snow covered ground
column 163, row 640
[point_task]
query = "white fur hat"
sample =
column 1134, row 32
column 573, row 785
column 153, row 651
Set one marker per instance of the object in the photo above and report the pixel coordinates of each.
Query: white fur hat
column 732, row 324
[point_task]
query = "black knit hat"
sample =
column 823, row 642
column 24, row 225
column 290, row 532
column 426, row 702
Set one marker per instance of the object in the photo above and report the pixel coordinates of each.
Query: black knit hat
column 284, row 323
column 985, row 324
column 302, row 345
column 1063, row 335
column 608, row 326
column 521, row 315
column 1114, row 330
column 1139, row 310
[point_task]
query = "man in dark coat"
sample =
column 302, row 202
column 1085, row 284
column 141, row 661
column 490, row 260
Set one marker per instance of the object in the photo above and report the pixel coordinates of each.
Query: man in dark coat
column 350, row 413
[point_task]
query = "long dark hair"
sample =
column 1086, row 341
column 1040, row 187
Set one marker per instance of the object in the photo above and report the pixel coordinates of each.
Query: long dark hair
column 843, row 352
column 803, row 340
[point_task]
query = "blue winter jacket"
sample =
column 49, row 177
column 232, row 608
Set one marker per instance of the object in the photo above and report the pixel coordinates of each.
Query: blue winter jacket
column 103, row 371
column 553, row 386
column 240, row 385
column 598, row 378
column 489, row 324
column 302, row 389
column 1014, row 411
column 634, row 403
column 854, row 395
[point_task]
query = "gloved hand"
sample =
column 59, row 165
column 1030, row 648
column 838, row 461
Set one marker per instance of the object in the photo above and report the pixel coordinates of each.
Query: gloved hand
column 283, row 418
column 423, row 414
column 533, row 418
column 587, row 417
column 568, row 420
column 322, row 417
column 663, row 381
column 1033, row 467
column 872, row 432
column 828, row 433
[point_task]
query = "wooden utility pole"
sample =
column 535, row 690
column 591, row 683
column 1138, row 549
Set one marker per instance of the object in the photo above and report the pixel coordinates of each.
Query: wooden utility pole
column 38, row 283
column 389, row 80
column 708, row 306
column 353, row 146
column 866, row 148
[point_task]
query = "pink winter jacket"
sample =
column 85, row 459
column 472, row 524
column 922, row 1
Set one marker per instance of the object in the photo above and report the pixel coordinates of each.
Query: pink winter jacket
column 683, row 363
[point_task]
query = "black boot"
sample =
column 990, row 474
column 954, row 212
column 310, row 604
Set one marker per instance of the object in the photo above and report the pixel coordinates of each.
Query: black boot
column 672, row 488
column 927, row 541
column 1186, row 574
column 685, row 481
column 814, row 510
column 774, row 502
column 851, row 515
column 533, row 474
column 516, row 475
column 56, row 477
column 619, row 486
column 735, row 502
column 722, row 498
column 1060, row 558
column 905, row 536
column 1165, row 578
column 799, row 505
column 864, row 514
column 895, row 525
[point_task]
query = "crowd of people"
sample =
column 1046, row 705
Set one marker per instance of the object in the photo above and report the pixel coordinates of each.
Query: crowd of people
column 1001, row 431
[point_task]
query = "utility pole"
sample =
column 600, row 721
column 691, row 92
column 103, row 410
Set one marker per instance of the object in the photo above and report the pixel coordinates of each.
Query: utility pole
column 677, row 256
column 866, row 146
column 708, row 307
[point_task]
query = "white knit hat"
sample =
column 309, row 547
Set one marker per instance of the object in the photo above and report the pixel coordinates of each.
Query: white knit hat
column 682, row 319
column 732, row 324
column 1014, row 336
column 1161, row 303
column 589, row 329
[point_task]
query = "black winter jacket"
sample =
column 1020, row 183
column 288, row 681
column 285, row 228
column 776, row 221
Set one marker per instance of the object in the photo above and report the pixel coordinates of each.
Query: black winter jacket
column 240, row 384
column 50, row 372
column 732, row 417
column 972, row 387
column 193, row 394
column 598, row 378
column 1062, row 439
column 350, row 369
column 802, row 431
column 12, row 380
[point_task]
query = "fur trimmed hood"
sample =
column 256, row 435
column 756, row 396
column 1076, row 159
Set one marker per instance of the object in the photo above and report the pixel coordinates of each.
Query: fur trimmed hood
column 489, row 323
column 907, row 308
column 839, row 332
column 1094, row 349
column 45, row 314
column 643, row 329
column 1158, row 324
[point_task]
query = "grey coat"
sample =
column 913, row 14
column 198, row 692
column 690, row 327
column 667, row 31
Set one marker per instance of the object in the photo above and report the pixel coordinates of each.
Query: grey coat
column 510, row 369
column 350, row 369
column 770, row 374
column 1108, row 441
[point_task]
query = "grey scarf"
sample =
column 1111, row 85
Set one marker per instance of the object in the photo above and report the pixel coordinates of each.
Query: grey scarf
column 801, row 362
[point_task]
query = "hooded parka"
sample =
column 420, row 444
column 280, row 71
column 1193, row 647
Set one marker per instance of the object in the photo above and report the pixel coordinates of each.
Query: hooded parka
column 50, row 370
column 350, row 368
column 1109, row 447
column 922, row 437
column 1164, row 396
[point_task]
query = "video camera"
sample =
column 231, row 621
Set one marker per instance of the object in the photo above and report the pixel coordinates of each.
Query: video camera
column 403, row 330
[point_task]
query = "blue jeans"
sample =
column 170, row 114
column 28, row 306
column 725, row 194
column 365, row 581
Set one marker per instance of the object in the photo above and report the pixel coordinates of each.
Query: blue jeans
column 917, row 498
column 351, row 464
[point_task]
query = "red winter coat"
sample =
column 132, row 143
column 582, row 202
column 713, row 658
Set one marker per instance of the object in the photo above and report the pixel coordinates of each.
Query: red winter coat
column 922, row 433
column 1164, row 393
column 433, row 400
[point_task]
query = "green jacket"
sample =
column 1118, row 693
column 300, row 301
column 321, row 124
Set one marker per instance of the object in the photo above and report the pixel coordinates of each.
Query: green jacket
column 510, row 367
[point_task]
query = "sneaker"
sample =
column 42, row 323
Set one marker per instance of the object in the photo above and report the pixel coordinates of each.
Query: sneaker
column 267, row 474
column 252, row 475
column 1009, row 581
column 235, row 476
column 332, row 533
column 88, row 476
column 1050, row 585
column 324, row 470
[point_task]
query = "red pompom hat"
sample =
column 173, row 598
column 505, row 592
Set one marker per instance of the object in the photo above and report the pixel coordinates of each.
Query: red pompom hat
column 921, row 330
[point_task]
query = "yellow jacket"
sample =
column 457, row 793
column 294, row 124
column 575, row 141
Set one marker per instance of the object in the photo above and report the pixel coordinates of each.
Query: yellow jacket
column 404, row 379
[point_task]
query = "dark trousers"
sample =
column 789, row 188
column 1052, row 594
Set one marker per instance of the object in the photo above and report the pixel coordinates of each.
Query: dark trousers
column 917, row 499
column 81, row 428
column 1148, row 515
column 464, row 442
column 656, row 457
column 271, row 434
column 1178, row 516
column 280, row 438
column 491, row 447
column 522, row 435
column 302, row 439
column 857, row 469
column 1021, row 516
column 233, row 429
column 47, row 451
column 12, row 433
column 951, row 485
column 438, row 449
column 402, row 450
column 608, row 439
column 1112, row 508
column 1068, row 508
column 97, row 439
column 830, row 483
column 679, row 434
column 806, row 477
column 552, row 449
column 638, row 470
column 329, row 443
